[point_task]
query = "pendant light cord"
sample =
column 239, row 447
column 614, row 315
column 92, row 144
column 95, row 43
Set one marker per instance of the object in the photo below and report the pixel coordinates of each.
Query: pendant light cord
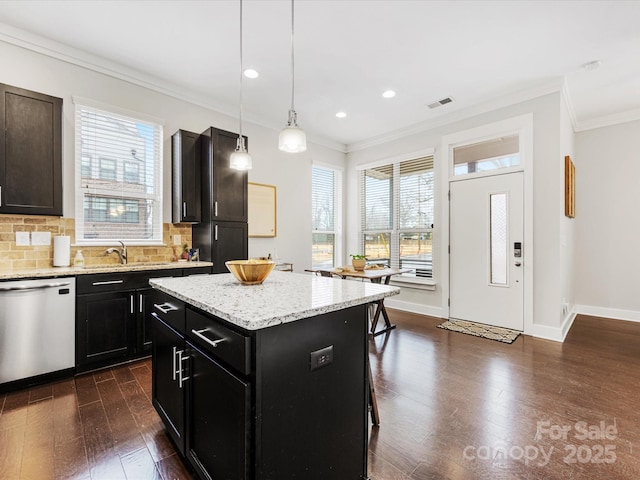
column 241, row 73
column 292, row 60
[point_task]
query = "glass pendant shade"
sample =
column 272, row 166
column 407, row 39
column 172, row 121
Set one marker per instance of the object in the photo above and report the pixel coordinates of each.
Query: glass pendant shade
column 292, row 139
column 240, row 159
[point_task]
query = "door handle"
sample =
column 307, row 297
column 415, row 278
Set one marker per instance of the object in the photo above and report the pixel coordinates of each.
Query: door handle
column 518, row 264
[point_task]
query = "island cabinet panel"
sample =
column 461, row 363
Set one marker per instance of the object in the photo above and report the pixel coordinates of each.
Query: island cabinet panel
column 168, row 391
column 313, row 421
column 279, row 403
column 219, row 416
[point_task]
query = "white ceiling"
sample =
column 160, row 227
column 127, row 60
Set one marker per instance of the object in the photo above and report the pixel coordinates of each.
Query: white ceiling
column 349, row 51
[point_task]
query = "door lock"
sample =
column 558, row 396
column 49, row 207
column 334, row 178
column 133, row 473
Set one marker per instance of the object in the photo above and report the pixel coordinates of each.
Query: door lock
column 517, row 250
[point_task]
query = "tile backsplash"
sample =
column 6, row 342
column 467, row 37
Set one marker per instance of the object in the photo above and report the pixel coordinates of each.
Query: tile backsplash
column 14, row 257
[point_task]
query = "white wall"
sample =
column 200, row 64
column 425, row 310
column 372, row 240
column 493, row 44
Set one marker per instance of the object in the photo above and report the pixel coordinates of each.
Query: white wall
column 548, row 184
column 607, row 269
column 290, row 173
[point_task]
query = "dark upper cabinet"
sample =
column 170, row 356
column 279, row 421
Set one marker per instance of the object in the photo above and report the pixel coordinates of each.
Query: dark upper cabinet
column 224, row 189
column 30, row 152
column 186, row 159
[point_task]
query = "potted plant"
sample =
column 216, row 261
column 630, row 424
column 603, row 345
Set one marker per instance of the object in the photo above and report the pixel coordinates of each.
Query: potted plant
column 358, row 262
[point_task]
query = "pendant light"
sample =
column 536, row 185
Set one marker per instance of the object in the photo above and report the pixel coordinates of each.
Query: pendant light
column 292, row 137
column 240, row 159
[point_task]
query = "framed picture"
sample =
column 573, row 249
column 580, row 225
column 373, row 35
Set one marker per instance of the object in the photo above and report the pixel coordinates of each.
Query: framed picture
column 569, row 188
column 262, row 210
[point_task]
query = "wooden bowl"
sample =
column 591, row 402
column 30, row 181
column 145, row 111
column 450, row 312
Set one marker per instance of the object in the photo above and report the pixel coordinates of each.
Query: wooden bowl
column 250, row 272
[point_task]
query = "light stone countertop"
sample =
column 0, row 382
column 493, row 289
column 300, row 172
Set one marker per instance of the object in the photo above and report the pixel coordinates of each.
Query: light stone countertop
column 89, row 269
column 283, row 297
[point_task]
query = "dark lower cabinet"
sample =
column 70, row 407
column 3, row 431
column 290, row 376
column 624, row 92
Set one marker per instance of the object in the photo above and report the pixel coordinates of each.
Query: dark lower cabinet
column 218, row 415
column 221, row 241
column 106, row 327
column 113, row 321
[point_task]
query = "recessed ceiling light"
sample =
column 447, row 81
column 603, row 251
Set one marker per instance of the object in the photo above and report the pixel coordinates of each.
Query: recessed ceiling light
column 341, row 114
column 251, row 73
column 389, row 94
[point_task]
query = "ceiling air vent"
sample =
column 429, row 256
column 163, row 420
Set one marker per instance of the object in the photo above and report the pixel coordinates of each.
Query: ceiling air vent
column 439, row 103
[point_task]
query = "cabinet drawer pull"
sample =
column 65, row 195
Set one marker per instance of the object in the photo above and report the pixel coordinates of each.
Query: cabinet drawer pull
column 108, row 282
column 213, row 343
column 184, row 209
column 165, row 307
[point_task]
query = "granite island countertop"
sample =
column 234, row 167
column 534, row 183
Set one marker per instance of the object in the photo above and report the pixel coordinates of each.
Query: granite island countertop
column 283, row 297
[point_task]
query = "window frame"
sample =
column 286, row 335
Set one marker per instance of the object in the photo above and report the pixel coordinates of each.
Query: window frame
column 396, row 231
column 152, row 193
column 338, row 201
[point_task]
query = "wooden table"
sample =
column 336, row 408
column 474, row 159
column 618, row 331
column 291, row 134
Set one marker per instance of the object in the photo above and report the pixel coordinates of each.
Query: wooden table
column 379, row 275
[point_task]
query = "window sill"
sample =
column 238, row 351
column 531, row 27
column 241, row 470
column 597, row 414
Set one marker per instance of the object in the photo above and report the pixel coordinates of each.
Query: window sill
column 111, row 243
column 412, row 282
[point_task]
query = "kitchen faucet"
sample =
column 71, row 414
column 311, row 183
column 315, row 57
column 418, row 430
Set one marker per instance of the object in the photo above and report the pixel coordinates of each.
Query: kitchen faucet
column 121, row 253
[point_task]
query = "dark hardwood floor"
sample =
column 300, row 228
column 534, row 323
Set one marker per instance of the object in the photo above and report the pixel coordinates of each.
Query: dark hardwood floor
column 452, row 406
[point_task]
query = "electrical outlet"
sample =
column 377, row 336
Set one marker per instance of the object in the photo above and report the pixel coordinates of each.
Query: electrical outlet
column 22, row 239
column 321, row 358
column 177, row 239
column 41, row 238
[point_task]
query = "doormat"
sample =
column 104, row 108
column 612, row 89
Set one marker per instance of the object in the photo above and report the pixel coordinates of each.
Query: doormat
column 505, row 335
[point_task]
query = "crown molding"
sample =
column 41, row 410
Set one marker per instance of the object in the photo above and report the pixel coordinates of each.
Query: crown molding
column 609, row 120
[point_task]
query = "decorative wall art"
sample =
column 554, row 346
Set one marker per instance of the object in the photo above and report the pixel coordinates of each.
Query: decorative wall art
column 262, row 210
column 569, row 188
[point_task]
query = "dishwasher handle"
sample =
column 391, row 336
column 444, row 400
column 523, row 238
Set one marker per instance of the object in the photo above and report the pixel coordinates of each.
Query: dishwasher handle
column 19, row 288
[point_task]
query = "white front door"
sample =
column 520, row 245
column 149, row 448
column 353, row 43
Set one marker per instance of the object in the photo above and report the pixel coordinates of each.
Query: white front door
column 486, row 267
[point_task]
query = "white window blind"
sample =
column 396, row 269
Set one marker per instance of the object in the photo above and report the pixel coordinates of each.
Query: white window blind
column 397, row 207
column 326, row 202
column 118, row 178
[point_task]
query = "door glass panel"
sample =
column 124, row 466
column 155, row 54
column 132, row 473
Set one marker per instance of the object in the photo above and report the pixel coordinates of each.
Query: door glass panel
column 503, row 152
column 499, row 240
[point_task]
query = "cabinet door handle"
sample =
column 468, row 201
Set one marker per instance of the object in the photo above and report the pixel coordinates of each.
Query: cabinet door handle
column 213, row 343
column 131, row 299
column 165, row 307
column 174, row 371
column 215, row 233
column 0, row 195
column 141, row 300
column 184, row 209
column 215, row 209
column 108, row 282
column 181, row 359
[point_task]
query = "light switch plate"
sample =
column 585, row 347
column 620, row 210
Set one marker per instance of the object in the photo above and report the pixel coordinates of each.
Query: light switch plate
column 40, row 238
column 22, row 239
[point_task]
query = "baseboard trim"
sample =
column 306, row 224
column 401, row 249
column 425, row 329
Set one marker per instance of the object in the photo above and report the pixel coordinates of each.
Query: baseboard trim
column 614, row 313
column 414, row 307
column 556, row 334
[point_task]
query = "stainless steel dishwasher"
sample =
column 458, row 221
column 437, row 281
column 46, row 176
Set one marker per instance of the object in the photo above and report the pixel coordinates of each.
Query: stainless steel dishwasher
column 37, row 327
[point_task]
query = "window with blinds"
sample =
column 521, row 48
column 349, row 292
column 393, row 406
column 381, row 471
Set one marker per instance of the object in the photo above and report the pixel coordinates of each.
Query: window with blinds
column 397, row 206
column 326, row 203
column 118, row 178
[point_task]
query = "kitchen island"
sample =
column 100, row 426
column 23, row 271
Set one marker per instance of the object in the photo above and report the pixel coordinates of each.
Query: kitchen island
column 265, row 381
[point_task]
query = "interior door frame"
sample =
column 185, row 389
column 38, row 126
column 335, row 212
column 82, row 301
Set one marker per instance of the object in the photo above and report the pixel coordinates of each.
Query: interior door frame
column 523, row 126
